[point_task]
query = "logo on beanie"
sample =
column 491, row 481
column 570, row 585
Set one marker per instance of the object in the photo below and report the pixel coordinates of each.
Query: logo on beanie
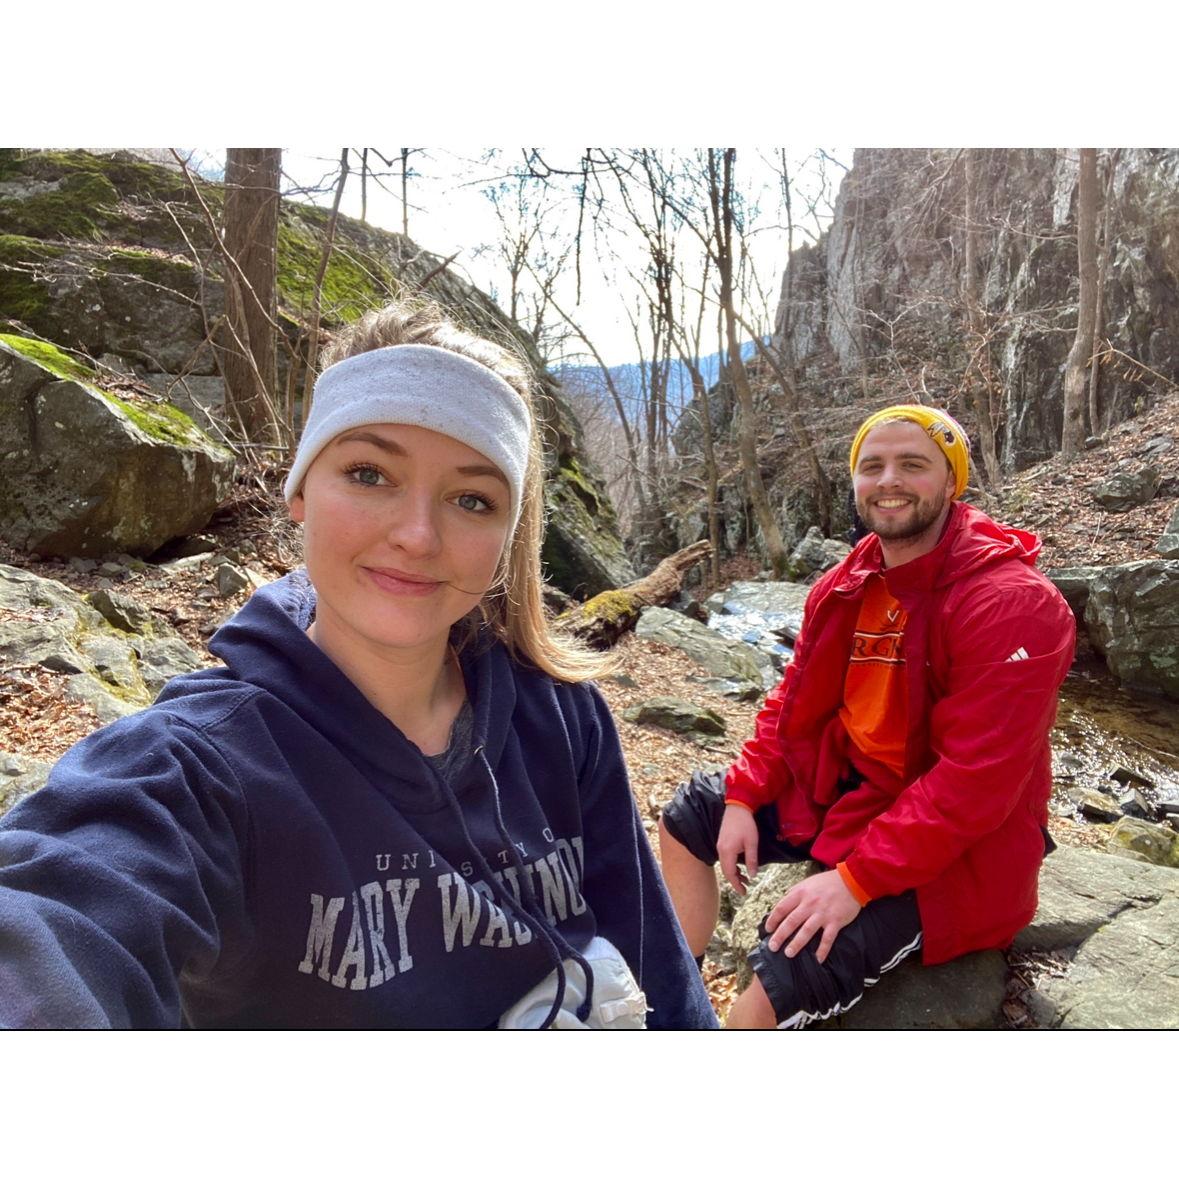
column 936, row 428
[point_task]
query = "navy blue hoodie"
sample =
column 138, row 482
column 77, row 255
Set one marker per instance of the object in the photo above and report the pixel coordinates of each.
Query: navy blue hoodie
column 263, row 848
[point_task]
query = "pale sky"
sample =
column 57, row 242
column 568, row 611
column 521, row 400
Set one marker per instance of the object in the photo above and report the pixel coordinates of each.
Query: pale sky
column 450, row 214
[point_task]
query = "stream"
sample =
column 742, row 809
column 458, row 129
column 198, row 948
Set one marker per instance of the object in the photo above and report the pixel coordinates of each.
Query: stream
column 1102, row 728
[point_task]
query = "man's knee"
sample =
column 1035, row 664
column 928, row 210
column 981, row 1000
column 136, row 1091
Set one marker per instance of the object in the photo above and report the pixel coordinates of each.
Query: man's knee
column 752, row 1010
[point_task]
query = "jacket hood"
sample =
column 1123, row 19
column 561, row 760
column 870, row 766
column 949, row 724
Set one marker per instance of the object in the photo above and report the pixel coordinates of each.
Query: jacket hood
column 970, row 542
column 265, row 644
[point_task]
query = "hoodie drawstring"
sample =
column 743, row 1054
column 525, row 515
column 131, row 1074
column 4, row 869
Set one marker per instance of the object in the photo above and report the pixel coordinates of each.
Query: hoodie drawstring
column 551, row 935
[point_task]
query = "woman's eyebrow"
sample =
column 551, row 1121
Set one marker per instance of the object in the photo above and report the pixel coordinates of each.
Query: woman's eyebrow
column 484, row 469
column 395, row 448
column 374, row 440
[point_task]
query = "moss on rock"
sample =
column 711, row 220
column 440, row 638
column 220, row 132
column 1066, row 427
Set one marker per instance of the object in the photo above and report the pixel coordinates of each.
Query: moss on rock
column 350, row 286
column 52, row 359
column 163, row 422
column 22, row 297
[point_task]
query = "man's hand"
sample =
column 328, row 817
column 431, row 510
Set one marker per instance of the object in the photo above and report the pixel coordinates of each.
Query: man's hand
column 818, row 902
column 737, row 835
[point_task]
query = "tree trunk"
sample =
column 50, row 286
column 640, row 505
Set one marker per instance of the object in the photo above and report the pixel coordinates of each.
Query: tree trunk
column 1111, row 164
column 1073, row 433
column 607, row 616
column 721, row 193
column 250, row 228
column 980, row 377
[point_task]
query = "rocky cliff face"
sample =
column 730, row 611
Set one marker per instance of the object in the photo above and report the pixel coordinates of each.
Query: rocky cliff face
column 112, row 257
column 884, row 289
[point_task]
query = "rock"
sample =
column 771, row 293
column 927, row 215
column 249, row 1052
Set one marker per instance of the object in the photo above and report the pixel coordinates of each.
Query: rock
column 733, row 689
column 121, row 611
column 1073, row 584
column 1128, row 777
column 679, row 716
column 1133, row 803
column 1168, row 545
column 1132, row 618
column 815, row 553
column 48, row 625
column 19, row 777
column 86, row 472
column 724, row 658
column 1151, row 841
column 1121, row 919
column 1124, row 490
column 1095, row 805
column 231, row 580
column 1161, row 444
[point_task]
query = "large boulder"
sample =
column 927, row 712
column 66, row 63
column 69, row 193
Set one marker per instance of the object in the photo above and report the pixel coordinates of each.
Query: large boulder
column 1073, row 583
column 726, row 660
column 1132, row 617
column 111, row 254
column 815, row 553
column 86, row 472
column 1115, row 922
column 1124, row 490
column 113, row 671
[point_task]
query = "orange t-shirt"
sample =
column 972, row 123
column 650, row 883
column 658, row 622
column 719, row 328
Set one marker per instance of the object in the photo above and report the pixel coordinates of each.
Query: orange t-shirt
column 874, row 710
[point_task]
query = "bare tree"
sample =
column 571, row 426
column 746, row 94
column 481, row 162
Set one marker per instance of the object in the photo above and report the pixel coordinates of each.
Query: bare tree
column 1073, row 433
column 250, row 234
column 979, row 377
column 1111, row 163
column 721, row 199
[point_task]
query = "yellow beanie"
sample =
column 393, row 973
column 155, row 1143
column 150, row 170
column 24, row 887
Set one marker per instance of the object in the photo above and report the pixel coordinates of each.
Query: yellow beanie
column 937, row 424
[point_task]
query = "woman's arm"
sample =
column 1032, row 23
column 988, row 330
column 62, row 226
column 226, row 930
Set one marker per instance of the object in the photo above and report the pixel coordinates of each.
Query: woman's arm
column 118, row 876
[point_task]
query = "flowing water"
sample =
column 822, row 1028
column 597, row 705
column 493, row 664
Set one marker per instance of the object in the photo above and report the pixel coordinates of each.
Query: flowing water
column 1101, row 728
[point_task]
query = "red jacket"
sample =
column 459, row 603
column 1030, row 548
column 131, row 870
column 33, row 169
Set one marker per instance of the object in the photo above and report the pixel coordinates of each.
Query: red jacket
column 988, row 642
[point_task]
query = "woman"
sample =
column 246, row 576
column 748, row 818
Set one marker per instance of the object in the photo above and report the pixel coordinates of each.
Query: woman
column 398, row 804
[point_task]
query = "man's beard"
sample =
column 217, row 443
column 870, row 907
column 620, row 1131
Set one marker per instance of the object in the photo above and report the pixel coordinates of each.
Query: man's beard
column 922, row 516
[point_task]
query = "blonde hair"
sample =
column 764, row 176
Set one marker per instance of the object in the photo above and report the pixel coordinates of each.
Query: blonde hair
column 512, row 608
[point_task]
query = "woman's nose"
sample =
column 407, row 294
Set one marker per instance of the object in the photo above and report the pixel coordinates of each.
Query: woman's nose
column 415, row 526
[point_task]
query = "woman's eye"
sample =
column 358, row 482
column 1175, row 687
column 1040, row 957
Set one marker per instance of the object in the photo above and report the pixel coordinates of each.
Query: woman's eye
column 368, row 476
column 473, row 503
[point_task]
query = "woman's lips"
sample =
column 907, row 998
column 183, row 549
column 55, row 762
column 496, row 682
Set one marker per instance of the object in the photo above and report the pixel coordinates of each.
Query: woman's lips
column 408, row 584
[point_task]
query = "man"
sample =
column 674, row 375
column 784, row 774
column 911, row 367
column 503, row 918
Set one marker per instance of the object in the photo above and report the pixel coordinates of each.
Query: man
column 905, row 750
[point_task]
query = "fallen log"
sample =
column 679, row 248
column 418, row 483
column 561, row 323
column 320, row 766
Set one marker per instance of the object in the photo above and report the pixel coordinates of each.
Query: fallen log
column 606, row 617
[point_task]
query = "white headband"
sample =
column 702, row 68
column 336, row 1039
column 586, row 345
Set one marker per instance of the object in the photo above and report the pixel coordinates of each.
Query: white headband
column 419, row 385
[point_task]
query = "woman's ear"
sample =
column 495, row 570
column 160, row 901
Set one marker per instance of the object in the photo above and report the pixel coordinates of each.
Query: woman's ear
column 297, row 508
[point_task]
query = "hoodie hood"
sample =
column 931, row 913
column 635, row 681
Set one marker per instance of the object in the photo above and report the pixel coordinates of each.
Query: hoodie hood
column 266, row 644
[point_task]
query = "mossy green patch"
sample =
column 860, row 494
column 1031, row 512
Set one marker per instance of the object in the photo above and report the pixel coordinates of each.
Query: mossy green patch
column 611, row 605
column 21, row 295
column 52, row 359
column 163, row 422
column 352, row 283
column 160, row 269
column 80, row 207
column 572, row 474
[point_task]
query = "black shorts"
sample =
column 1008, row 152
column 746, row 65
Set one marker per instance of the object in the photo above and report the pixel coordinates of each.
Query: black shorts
column 694, row 817
column 801, row 990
